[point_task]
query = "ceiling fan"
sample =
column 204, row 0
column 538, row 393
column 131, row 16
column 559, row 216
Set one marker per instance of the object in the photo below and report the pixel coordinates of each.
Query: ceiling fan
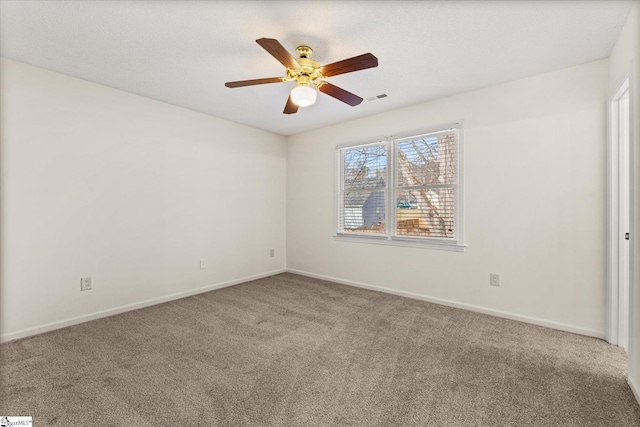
column 308, row 74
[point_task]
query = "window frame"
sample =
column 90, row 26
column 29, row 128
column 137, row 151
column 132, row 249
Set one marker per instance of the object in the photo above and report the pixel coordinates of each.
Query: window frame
column 390, row 236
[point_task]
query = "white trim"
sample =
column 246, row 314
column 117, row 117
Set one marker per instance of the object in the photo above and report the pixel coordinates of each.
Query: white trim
column 614, row 231
column 612, row 224
column 410, row 243
column 475, row 308
column 47, row 327
column 634, row 388
column 372, row 142
column 390, row 223
column 459, row 222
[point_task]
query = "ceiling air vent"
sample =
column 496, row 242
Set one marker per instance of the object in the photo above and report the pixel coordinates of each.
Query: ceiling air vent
column 373, row 98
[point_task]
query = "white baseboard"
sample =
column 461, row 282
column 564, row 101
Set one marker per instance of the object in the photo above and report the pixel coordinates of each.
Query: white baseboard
column 634, row 388
column 470, row 307
column 23, row 333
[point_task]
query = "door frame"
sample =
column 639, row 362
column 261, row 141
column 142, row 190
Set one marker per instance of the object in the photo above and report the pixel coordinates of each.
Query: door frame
column 617, row 322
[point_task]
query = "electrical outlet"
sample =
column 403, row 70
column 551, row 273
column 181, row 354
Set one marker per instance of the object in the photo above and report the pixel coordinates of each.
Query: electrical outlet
column 203, row 264
column 85, row 284
column 494, row 279
column 272, row 253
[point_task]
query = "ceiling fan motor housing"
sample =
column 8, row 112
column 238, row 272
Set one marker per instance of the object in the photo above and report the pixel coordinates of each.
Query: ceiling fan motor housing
column 304, row 51
column 309, row 70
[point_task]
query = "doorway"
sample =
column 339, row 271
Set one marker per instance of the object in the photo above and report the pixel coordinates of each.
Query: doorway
column 619, row 267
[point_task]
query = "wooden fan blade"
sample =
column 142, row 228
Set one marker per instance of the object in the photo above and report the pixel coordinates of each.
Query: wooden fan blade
column 291, row 107
column 278, row 51
column 242, row 83
column 356, row 63
column 340, row 94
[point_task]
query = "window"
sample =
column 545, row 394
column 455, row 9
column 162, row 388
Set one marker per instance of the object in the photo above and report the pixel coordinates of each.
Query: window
column 402, row 191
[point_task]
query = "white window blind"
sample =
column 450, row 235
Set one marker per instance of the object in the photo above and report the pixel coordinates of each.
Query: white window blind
column 425, row 185
column 404, row 189
column 364, row 189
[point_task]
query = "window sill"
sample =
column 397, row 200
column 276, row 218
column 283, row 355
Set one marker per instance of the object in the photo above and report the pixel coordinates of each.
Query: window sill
column 411, row 243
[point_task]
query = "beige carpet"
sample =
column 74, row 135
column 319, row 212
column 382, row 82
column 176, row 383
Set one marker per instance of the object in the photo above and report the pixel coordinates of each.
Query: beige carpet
column 294, row 351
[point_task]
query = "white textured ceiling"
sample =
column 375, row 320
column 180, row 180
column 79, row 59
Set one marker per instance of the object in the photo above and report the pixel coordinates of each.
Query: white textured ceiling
column 182, row 52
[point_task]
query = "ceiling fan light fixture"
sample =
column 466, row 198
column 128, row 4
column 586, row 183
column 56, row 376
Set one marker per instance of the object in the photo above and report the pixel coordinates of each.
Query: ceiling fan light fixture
column 303, row 95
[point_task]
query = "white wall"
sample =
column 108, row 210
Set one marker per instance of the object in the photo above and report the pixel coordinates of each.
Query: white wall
column 625, row 58
column 535, row 152
column 130, row 191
